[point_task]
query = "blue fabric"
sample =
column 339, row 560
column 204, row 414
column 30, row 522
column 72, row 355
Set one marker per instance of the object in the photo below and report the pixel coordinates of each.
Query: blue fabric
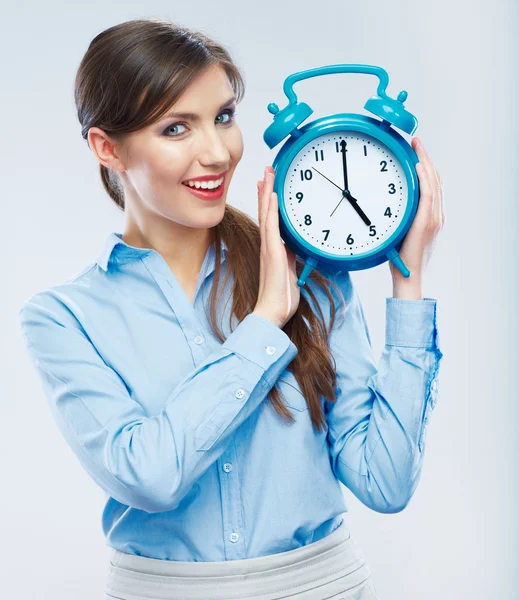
column 176, row 428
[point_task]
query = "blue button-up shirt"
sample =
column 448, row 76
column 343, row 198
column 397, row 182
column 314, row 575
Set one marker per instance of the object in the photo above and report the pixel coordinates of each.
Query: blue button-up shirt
column 175, row 427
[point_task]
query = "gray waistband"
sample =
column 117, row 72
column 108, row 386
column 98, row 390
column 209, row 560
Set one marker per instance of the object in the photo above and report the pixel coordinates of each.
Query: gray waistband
column 321, row 569
column 309, row 553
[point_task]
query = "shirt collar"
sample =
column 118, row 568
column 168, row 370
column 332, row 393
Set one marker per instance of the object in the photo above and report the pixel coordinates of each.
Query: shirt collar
column 114, row 246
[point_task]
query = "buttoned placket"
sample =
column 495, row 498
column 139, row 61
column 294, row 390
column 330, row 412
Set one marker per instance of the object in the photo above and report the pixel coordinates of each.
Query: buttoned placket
column 230, row 495
column 180, row 304
column 185, row 312
column 233, row 518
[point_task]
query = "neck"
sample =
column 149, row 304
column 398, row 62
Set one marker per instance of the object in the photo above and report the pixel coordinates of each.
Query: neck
column 182, row 248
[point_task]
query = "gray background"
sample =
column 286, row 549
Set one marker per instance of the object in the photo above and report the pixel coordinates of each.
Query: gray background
column 458, row 61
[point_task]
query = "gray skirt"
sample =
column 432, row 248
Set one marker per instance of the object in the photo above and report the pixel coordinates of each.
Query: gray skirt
column 332, row 568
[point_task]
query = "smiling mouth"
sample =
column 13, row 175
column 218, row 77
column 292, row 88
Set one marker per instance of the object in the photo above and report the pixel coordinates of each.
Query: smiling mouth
column 204, row 189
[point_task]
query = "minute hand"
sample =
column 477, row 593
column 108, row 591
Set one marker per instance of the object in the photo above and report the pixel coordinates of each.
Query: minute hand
column 344, row 166
column 346, row 191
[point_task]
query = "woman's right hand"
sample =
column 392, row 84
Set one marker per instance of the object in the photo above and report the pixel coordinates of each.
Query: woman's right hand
column 279, row 294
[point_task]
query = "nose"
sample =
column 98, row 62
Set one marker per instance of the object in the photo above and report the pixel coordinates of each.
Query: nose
column 214, row 150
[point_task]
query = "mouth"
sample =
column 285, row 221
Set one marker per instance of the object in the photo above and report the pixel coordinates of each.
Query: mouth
column 220, row 182
column 207, row 193
column 207, row 181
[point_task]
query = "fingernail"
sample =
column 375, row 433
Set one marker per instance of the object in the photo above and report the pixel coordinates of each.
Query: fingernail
column 266, row 172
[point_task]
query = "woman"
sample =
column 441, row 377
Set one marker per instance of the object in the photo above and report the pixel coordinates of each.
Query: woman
column 218, row 486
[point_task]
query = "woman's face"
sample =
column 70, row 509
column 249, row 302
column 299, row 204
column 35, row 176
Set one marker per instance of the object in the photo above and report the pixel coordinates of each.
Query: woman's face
column 174, row 149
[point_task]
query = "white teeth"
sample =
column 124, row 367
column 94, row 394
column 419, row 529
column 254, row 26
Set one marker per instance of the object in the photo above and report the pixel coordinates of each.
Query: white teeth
column 206, row 185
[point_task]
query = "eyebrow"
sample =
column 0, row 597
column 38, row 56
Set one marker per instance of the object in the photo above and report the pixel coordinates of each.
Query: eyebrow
column 193, row 116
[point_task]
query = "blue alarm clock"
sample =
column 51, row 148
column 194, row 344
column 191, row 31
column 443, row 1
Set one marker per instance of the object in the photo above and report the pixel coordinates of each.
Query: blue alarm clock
column 346, row 183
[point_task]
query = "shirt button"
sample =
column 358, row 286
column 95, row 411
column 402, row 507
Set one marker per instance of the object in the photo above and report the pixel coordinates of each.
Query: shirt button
column 234, row 537
column 199, row 339
column 434, row 384
column 227, row 467
column 270, row 349
column 239, row 393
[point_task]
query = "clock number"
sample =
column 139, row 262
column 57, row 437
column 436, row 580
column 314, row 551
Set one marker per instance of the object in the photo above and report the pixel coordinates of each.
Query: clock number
column 299, row 196
column 384, row 165
column 327, row 231
column 365, row 150
column 350, row 240
column 308, row 220
column 387, row 212
column 306, row 174
column 392, row 188
column 372, row 230
column 319, row 153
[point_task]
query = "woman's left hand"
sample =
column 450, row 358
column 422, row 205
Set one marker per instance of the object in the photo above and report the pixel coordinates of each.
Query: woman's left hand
column 420, row 240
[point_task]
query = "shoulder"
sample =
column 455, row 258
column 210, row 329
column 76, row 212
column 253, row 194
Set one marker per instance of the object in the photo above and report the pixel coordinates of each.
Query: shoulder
column 59, row 302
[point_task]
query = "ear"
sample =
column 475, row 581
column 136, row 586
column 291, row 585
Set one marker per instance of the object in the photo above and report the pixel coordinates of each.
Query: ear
column 105, row 149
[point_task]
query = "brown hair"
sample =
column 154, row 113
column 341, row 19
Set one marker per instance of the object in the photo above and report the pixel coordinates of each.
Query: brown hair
column 129, row 77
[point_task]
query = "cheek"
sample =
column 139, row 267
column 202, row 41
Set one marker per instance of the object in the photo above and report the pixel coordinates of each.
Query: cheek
column 235, row 145
column 167, row 167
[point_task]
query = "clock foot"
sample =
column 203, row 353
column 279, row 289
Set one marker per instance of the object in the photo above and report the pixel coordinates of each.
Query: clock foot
column 310, row 264
column 394, row 257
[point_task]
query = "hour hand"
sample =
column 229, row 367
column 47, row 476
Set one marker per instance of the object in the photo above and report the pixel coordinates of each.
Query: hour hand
column 355, row 204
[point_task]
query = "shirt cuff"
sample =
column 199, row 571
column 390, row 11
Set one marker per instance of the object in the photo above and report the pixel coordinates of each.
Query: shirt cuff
column 260, row 341
column 411, row 323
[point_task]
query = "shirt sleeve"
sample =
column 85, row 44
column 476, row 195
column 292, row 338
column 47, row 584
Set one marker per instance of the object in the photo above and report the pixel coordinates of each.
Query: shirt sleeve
column 376, row 427
column 148, row 462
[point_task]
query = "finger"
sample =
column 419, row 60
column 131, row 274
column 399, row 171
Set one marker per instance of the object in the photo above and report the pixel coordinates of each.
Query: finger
column 268, row 184
column 426, row 163
column 260, row 194
column 426, row 192
column 426, row 159
column 263, row 243
column 261, row 210
column 433, row 176
column 443, row 204
column 439, row 189
column 263, row 206
column 273, row 236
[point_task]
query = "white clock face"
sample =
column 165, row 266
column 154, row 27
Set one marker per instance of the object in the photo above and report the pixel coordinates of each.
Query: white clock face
column 313, row 193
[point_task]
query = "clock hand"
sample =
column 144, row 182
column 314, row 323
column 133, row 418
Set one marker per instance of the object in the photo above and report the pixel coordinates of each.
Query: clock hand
column 360, row 212
column 337, row 186
column 346, row 194
column 344, row 166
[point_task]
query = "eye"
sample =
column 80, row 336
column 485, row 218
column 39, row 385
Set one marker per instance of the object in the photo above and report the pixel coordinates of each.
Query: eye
column 176, row 125
column 230, row 112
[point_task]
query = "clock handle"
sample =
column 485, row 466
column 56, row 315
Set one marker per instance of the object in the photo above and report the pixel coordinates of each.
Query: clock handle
column 394, row 257
column 383, row 77
column 310, row 264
